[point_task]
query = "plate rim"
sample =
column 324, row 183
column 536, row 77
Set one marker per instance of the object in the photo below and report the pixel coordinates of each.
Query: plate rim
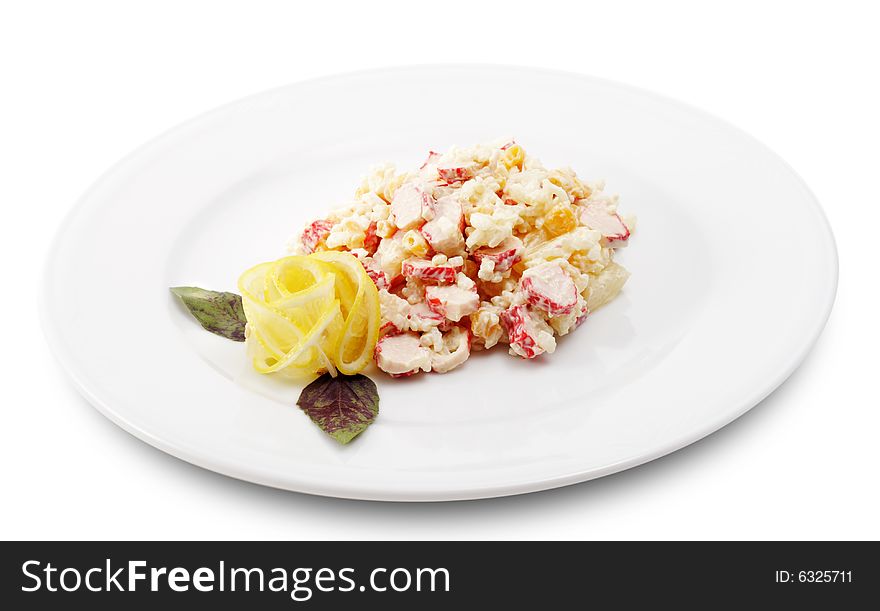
column 68, row 363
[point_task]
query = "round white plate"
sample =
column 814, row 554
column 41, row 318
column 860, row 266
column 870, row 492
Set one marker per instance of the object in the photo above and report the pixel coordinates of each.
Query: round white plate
column 734, row 272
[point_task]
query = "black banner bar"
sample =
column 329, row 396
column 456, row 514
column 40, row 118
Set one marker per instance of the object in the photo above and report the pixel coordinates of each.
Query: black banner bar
column 315, row 575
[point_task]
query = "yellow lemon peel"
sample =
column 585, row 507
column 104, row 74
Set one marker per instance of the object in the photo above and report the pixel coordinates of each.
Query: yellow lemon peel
column 308, row 314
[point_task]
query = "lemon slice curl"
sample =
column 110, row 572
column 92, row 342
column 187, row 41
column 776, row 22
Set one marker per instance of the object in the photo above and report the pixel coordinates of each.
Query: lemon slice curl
column 308, row 314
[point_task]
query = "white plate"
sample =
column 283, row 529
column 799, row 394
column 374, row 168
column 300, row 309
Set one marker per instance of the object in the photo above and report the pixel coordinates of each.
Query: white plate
column 734, row 272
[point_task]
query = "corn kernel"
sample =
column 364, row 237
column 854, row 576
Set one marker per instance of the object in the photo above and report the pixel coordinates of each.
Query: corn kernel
column 568, row 180
column 485, row 326
column 414, row 243
column 385, row 228
column 560, row 219
column 514, row 156
column 580, row 190
column 392, row 186
column 558, row 179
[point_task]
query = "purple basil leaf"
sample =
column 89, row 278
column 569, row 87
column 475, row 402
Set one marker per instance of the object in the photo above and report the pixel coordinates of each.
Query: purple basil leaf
column 343, row 406
column 219, row 313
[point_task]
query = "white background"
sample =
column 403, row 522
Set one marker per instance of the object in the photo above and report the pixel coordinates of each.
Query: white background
column 81, row 84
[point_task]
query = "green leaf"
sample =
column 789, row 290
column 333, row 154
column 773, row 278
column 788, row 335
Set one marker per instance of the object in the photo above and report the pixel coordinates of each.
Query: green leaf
column 219, row 313
column 343, row 406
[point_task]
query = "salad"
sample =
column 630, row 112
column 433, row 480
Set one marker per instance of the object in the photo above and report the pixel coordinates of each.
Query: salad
column 477, row 247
